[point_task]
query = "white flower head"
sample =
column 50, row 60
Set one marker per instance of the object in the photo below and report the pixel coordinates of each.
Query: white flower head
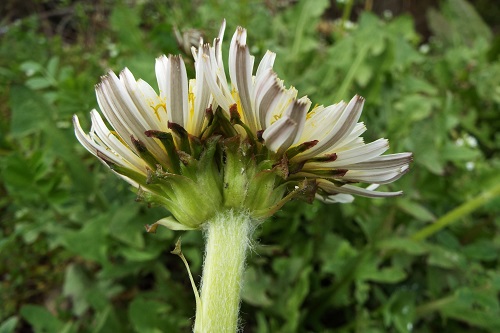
column 197, row 146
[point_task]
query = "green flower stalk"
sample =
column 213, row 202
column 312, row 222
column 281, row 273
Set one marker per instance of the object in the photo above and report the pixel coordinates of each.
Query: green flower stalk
column 222, row 157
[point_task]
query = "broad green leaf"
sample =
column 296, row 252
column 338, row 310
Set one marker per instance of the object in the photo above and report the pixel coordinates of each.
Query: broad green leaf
column 416, row 210
column 38, row 83
column 9, row 325
column 399, row 311
column 76, row 286
column 133, row 254
column 29, row 111
column 442, row 257
column 31, row 67
column 41, row 319
column 90, row 241
column 52, row 67
column 384, row 275
column 149, row 316
column 476, row 308
column 452, row 152
column 482, row 249
column 255, row 286
column 125, row 227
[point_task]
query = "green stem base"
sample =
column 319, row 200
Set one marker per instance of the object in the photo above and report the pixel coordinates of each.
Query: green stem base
column 227, row 240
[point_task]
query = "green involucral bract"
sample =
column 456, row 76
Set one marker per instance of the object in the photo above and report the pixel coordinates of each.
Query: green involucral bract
column 219, row 171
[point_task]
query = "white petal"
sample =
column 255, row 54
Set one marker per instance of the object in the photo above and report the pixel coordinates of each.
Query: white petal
column 177, row 90
column 286, row 131
column 91, row 146
column 375, row 176
column 355, row 155
column 240, row 71
column 121, row 106
column 350, row 189
column 336, row 198
column 218, row 51
column 298, row 113
column 268, row 93
column 266, row 63
column 280, row 134
column 282, row 103
column 111, row 115
column 161, row 76
column 382, row 162
column 110, row 141
column 340, row 128
column 157, row 107
column 146, row 101
column 199, row 96
column 220, row 92
column 320, row 122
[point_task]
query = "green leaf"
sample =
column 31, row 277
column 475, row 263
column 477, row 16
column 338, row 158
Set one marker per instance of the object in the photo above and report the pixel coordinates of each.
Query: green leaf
column 479, row 308
column 406, row 245
column 125, row 227
column 125, row 23
column 52, row 67
column 76, row 285
column 445, row 258
column 41, row 319
column 295, row 298
column 9, row 325
column 90, row 242
column 38, row 83
column 30, row 68
column 416, row 210
column 149, row 316
column 29, row 111
column 400, row 311
column 383, row 275
column 432, row 160
column 416, row 106
column 140, row 255
column 255, row 286
column 482, row 249
column 452, row 152
column 336, row 253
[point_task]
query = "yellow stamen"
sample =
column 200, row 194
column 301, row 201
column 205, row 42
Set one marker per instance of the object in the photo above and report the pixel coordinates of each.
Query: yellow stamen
column 118, row 137
column 312, row 112
column 157, row 107
column 191, row 104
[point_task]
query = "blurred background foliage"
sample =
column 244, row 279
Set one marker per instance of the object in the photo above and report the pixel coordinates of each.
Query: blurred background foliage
column 74, row 256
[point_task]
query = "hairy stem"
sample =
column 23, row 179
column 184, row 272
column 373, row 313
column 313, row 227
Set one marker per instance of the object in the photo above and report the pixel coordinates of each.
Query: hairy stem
column 227, row 240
